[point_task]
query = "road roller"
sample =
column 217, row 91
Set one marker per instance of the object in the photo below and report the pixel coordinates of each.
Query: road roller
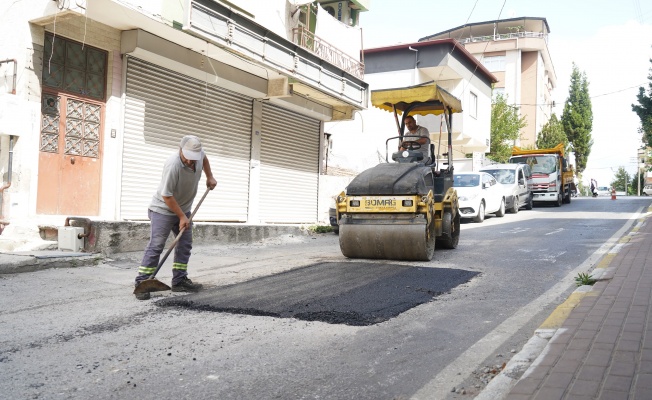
column 404, row 208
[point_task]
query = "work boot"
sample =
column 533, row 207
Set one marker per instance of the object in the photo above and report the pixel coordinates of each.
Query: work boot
column 186, row 285
column 143, row 296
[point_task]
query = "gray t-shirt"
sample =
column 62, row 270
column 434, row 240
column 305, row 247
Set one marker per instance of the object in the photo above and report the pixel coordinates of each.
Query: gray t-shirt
column 178, row 181
column 421, row 131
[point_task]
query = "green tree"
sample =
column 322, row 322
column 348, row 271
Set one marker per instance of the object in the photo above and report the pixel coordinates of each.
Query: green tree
column 505, row 129
column 633, row 187
column 621, row 180
column 552, row 134
column 577, row 118
column 644, row 110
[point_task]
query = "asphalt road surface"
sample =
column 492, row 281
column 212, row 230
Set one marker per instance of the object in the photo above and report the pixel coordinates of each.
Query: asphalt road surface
column 291, row 318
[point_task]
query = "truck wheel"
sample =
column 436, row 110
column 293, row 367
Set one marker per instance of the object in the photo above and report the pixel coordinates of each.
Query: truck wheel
column 567, row 197
column 559, row 200
column 450, row 231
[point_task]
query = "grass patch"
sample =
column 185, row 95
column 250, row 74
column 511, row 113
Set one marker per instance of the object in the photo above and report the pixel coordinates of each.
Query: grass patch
column 584, row 278
column 320, row 228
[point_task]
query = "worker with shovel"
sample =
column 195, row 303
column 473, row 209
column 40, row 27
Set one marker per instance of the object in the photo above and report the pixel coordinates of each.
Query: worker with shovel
column 169, row 211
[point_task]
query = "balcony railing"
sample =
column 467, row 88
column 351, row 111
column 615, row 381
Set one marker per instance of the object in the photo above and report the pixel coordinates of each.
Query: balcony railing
column 505, row 36
column 327, row 52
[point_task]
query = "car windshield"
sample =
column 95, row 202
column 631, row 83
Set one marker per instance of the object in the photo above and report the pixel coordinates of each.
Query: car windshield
column 538, row 164
column 466, row 180
column 504, row 176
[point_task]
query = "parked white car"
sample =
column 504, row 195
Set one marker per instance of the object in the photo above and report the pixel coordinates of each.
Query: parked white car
column 516, row 181
column 604, row 191
column 478, row 194
column 647, row 190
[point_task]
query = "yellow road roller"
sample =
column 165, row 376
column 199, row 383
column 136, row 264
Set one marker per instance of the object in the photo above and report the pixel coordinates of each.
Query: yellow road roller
column 403, row 209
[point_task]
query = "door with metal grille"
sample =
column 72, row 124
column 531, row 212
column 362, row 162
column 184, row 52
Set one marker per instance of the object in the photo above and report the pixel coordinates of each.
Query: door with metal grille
column 72, row 115
column 289, row 170
column 69, row 157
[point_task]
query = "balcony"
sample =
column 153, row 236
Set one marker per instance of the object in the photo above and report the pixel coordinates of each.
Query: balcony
column 324, row 50
column 505, row 36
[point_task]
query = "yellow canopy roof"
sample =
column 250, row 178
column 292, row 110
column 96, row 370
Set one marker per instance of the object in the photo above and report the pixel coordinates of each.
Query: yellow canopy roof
column 402, row 98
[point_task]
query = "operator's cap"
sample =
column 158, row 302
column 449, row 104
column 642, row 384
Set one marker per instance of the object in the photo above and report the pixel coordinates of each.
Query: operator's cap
column 191, row 147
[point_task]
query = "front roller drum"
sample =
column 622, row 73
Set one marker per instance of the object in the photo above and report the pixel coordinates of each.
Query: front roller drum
column 408, row 242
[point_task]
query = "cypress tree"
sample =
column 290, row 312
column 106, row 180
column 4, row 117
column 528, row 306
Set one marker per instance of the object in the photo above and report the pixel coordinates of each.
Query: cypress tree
column 644, row 110
column 577, row 118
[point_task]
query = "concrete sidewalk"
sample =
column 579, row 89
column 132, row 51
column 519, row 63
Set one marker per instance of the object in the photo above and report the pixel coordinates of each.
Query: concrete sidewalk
column 602, row 347
column 30, row 261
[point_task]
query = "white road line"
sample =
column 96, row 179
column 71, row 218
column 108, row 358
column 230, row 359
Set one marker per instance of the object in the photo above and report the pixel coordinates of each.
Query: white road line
column 556, row 231
column 516, row 230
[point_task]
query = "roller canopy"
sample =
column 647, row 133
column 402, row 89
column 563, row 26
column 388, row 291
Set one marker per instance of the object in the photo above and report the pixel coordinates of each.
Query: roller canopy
column 435, row 99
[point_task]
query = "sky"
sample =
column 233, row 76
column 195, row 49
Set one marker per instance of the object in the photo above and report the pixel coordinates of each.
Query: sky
column 611, row 42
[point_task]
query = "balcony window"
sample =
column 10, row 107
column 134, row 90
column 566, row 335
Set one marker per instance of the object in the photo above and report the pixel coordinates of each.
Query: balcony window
column 494, row 63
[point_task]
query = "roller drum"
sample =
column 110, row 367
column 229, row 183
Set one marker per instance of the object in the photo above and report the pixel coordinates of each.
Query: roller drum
column 408, row 242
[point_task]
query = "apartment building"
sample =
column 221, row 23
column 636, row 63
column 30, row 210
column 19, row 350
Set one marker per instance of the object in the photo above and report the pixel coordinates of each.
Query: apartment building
column 515, row 50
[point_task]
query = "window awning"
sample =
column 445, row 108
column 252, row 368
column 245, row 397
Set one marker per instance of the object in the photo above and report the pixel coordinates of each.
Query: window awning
column 435, row 99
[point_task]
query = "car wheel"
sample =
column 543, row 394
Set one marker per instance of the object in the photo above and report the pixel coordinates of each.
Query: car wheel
column 514, row 209
column 530, row 203
column 480, row 217
column 501, row 210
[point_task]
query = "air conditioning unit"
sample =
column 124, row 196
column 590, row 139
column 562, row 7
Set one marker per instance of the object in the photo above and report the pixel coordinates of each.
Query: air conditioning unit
column 343, row 11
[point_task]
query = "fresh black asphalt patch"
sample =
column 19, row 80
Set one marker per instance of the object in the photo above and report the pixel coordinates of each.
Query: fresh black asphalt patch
column 348, row 293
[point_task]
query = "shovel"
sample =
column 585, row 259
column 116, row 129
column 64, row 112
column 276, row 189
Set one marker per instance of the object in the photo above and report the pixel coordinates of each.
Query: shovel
column 152, row 284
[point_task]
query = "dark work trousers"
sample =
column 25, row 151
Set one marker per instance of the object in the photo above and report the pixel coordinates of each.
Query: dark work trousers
column 161, row 226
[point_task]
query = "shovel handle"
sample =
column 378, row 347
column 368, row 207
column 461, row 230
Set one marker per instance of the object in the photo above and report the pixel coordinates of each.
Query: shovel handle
column 176, row 239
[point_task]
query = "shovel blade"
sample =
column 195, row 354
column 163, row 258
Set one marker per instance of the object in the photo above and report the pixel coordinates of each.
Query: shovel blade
column 151, row 285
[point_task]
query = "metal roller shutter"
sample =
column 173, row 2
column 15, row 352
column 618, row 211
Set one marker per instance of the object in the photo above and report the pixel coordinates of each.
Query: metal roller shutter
column 289, row 175
column 161, row 106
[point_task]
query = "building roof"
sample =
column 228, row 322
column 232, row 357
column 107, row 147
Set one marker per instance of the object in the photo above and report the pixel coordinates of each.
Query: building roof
column 457, row 48
column 530, row 24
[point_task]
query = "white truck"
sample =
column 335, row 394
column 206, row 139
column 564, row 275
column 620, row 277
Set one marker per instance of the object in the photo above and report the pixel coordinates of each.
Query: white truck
column 552, row 175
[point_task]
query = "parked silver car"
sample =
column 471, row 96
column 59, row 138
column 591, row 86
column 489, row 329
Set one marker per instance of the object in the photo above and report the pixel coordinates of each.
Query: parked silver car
column 516, row 182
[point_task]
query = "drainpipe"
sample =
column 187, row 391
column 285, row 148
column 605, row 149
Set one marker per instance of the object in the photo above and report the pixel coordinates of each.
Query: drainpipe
column 8, row 183
column 13, row 60
column 416, row 64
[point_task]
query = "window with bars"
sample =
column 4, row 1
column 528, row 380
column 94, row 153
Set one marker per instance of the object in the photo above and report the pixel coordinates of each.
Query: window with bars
column 73, row 67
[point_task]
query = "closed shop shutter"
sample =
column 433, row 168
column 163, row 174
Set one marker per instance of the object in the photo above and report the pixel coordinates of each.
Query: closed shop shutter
column 161, row 106
column 289, row 174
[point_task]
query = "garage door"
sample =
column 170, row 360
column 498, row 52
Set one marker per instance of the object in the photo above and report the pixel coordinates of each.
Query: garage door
column 289, row 166
column 161, row 107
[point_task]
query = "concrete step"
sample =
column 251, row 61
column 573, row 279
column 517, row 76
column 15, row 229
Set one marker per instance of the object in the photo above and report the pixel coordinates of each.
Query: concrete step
column 18, row 237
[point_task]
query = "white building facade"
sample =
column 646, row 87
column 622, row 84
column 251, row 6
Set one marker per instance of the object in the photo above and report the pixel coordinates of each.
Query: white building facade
column 96, row 94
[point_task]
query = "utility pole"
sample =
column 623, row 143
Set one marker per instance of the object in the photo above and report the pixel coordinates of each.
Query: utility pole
column 640, row 159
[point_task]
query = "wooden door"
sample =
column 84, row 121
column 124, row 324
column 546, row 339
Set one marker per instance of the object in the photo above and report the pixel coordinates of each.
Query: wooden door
column 70, row 155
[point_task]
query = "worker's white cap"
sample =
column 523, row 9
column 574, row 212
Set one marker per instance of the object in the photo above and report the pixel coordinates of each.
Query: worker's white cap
column 191, row 147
